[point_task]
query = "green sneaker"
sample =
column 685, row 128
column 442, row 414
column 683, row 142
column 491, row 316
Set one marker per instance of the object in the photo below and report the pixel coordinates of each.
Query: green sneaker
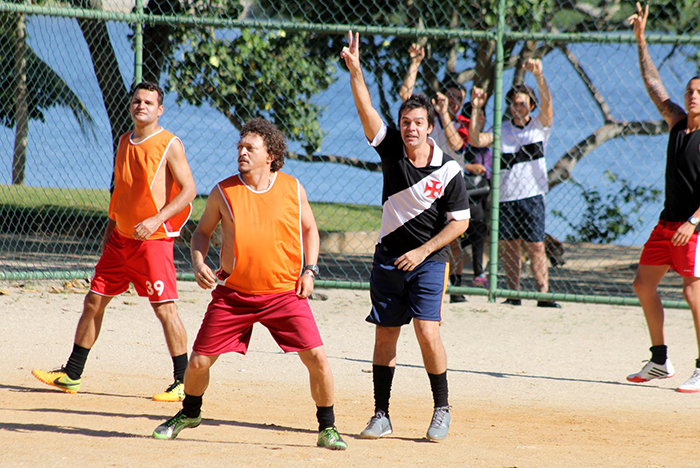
column 59, row 379
column 330, row 439
column 172, row 427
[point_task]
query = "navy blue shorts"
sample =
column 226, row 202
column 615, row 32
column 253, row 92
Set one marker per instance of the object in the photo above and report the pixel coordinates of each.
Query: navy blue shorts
column 522, row 219
column 398, row 295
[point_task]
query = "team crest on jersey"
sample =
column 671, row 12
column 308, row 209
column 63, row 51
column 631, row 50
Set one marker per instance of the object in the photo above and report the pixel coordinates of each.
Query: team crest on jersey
column 433, row 188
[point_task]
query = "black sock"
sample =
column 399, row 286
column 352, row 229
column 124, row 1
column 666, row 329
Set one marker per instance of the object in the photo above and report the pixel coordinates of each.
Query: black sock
column 325, row 417
column 658, row 354
column 382, row 376
column 179, row 366
column 76, row 362
column 192, row 405
column 697, row 363
column 438, row 384
column 456, row 280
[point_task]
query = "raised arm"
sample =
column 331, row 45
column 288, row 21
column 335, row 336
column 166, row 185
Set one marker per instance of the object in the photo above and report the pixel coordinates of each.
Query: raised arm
column 454, row 139
column 476, row 136
column 670, row 111
column 417, row 54
column 546, row 114
column 371, row 121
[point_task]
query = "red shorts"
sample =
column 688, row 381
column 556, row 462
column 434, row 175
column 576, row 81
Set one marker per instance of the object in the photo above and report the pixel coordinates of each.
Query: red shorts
column 228, row 322
column 147, row 264
column 659, row 250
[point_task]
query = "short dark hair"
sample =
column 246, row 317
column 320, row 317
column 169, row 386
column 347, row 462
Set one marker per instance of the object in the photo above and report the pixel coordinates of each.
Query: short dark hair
column 275, row 142
column 467, row 109
column 696, row 77
column 522, row 89
column 418, row 101
column 150, row 86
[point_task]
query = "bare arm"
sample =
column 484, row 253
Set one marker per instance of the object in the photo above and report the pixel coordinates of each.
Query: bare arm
column 476, row 136
column 415, row 257
column 671, row 112
column 199, row 246
column 417, row 54
column 311, row 240
column 546, row 114
column 370, row 118
column 684, row 231
column 454, row 139
column 478, row 169
column 180, row 170
column 111, row 224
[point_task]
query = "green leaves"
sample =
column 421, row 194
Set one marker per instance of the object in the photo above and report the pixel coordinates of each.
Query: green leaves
column 250, row 73
column 45, row 87
column 610, row 216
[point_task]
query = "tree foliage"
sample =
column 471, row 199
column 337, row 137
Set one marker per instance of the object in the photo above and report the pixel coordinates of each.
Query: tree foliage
column 606, row 218
column 255, row 73
column 248, row 73
column 45, row 87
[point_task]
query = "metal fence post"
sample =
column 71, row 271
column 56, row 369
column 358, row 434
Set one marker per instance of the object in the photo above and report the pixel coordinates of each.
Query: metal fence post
column 496, row 165
column 138, row 44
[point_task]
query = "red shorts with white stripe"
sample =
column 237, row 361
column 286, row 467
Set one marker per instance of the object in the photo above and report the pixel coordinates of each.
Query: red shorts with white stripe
column 228, row 322
column 147, row 264
column 659, row 250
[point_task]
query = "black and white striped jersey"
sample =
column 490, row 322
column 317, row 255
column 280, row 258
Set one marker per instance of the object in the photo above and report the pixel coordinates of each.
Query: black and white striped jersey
column 417, row 202
column 523, row 166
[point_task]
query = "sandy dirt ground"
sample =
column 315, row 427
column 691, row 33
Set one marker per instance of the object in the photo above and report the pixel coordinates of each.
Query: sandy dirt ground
column 529, row 388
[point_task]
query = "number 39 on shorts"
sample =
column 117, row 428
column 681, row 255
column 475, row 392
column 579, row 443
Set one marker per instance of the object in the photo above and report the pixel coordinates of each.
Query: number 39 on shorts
column 158, row 286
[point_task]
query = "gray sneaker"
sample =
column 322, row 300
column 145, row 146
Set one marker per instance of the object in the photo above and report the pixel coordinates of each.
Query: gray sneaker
column 172, row 427
column 440, row 425
column 379, row 425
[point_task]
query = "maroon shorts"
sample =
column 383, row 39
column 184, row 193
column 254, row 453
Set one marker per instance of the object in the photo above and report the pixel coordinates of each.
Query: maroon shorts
column 659, row 250
column 228, row 322
column 147, row 264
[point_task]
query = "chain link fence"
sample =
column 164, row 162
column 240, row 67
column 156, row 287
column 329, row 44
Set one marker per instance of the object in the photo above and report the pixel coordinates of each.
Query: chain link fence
column 67, row 68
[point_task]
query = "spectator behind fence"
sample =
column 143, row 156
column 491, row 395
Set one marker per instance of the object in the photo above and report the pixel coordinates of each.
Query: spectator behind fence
column 523, row 178
column 449, row 133
column 153, row 188
column 424, row 208
column 674, row 241
column 477, row 177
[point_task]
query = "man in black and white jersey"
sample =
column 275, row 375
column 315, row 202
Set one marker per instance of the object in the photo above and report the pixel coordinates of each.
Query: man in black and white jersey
column 424, row 207
column 449, row 133
column 673, row 244
column 523, row 178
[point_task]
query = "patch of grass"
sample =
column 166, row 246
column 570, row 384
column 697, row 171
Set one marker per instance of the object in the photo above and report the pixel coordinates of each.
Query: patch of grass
column 59, row 210
column 341, row 217
column 38, row 197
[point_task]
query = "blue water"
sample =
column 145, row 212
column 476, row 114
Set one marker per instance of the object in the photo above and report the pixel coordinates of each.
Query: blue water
column 60, row 156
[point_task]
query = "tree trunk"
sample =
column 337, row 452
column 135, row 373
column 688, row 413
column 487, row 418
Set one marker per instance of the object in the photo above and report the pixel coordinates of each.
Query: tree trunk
column 561, row 171
column 19, row 160
column 115, row 94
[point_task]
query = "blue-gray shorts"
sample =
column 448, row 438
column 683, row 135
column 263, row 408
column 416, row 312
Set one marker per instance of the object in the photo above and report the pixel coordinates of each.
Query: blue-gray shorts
column 398, row 295
column 522, row 219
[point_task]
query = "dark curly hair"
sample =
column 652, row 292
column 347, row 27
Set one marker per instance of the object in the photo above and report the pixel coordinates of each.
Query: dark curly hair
column 275, row 142
column 150, row 86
